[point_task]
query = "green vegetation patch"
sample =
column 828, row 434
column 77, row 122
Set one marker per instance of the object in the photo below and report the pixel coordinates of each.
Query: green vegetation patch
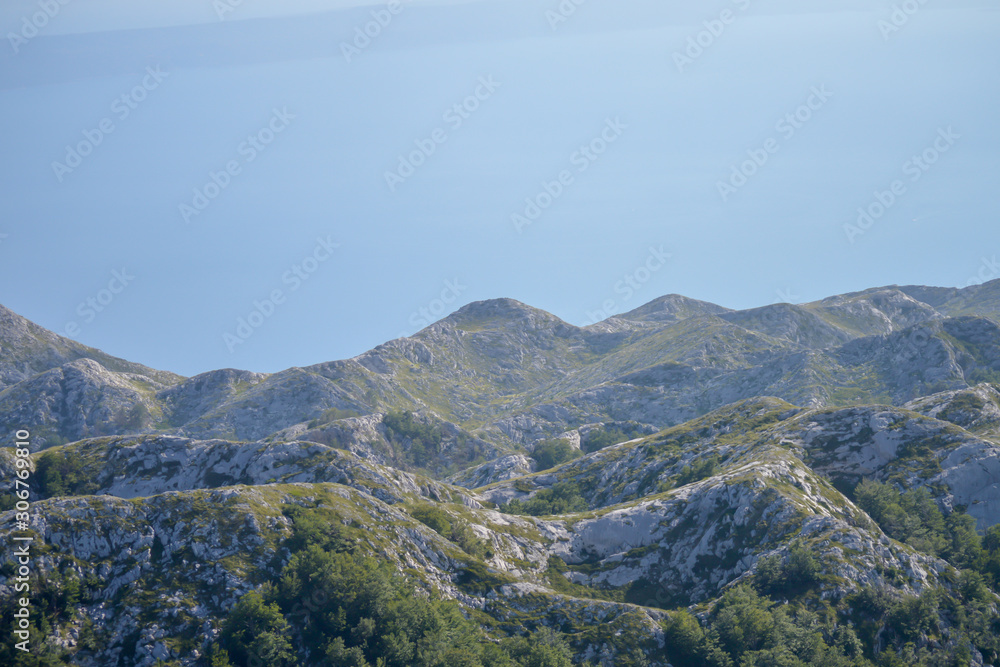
column 551, row 453
column 562, row 498
column 343, row 608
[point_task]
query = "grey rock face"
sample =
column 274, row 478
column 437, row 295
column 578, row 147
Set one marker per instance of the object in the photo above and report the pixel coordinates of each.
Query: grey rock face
column 144, row 466
column 77, row 400
column 502, row 469
column 977, row 409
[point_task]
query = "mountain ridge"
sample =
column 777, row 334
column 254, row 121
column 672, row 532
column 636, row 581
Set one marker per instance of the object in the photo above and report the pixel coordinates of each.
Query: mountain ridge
column 500, row 360
column 628, row 493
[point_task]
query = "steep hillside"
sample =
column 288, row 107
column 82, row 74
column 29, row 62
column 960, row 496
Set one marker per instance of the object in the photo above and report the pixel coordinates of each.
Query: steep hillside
column 27, row 349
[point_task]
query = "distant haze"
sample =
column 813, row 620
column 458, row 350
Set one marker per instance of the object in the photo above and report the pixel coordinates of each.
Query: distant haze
column 175, row 175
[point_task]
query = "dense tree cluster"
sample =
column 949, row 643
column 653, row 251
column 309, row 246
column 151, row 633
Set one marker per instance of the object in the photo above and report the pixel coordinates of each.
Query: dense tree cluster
column 781, row 576
column 62, row 473
column 915, row 519
column 55, row 598
column 870, row 628
column 562, row 498
column 750, row 630
column 550, row 453
column 610, row 434
column 333, row 606
column 598, row 439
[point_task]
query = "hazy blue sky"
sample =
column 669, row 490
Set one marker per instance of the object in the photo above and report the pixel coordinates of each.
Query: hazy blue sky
column 309, row 129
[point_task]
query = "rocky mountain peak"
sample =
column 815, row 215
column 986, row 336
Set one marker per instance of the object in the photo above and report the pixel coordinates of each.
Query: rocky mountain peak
column 500, row 313
column 672, row 308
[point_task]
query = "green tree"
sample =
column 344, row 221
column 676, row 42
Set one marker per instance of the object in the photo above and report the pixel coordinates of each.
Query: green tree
column 685, row 639
column 912, row 616
column 545, row 648
column 963, row 546
column 218, row 657
column 915, row 518
column 320, row 526
column 743, row 621
column 988, row 562
column 416, row 443
column 255, row 628
column 792, row 575
column 598, row 439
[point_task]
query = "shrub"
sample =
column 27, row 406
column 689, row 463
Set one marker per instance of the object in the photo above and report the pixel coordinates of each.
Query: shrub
column 433, row 517
column 598, row 439
column 550, row 453
column 699, row 470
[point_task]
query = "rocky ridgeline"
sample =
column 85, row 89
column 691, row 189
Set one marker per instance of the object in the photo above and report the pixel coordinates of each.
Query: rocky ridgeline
column 371, row 439
column 512, row 375
column 849, row 444
column 174, row 564
column 144, row 466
